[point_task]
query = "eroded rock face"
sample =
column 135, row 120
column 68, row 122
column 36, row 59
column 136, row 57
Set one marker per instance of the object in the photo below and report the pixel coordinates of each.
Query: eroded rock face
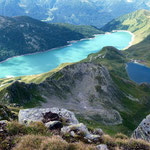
column 143, row 130
column 26, row 116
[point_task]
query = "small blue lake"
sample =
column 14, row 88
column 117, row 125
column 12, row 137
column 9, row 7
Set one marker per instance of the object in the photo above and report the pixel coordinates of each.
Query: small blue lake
column 138, row 73
column 46, row 61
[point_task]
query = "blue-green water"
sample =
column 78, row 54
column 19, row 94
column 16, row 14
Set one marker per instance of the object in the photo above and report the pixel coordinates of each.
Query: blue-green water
column 138, row 73
column 46, row 61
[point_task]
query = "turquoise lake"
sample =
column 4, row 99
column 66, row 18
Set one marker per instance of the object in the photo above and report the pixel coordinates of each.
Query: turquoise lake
column 46, row 61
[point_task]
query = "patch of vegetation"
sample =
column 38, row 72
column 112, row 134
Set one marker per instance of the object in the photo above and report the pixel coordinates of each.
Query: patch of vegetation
column 87, row 31
column 49, row 143
column 58, row 75
column 14, row 128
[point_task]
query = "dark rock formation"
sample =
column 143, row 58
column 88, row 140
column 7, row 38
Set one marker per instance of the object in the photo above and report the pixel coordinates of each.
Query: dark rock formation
column 6, row 114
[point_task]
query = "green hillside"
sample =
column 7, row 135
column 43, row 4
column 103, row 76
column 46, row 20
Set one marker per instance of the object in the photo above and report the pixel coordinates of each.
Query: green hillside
column 87, row 31
column 140, row 51
column 137, row 22
column 24, row 35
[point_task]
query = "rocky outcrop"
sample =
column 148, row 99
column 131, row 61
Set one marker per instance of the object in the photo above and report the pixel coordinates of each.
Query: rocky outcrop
column 143, row 130
column 62, row 120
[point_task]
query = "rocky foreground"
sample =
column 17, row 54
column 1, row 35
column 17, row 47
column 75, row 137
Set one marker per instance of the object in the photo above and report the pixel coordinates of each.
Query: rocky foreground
column 59, row 129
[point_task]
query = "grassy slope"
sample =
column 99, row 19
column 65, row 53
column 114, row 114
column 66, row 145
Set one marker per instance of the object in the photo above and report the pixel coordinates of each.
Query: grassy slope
column 140, row 51
column 137, row 22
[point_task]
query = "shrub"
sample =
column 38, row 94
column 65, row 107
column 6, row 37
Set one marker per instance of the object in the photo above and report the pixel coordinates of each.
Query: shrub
column 14, row 128
column 109, row 141
column 121, row 136
column 32, row 142
column 81, row 146
column 29, row 142
column 132, row 144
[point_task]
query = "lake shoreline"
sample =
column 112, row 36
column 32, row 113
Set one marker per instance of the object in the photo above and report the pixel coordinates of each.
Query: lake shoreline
column 70, row 43
column 133, row 37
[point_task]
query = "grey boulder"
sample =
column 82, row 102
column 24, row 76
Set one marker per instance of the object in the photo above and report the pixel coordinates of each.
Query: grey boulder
column 102, row 147
column 27, row 116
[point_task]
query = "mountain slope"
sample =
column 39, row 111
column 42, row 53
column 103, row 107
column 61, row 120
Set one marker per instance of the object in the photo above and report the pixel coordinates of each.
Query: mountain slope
column 136, row 22
column 140, row 52
column 97, row 94
column 87, row 12
column 24, row 35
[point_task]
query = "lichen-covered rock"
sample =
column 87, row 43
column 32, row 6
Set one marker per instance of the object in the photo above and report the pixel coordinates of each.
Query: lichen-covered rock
column 98, row 132
column 26, row 116
column 143, row 130
column 81, row 131
column 102, row 147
